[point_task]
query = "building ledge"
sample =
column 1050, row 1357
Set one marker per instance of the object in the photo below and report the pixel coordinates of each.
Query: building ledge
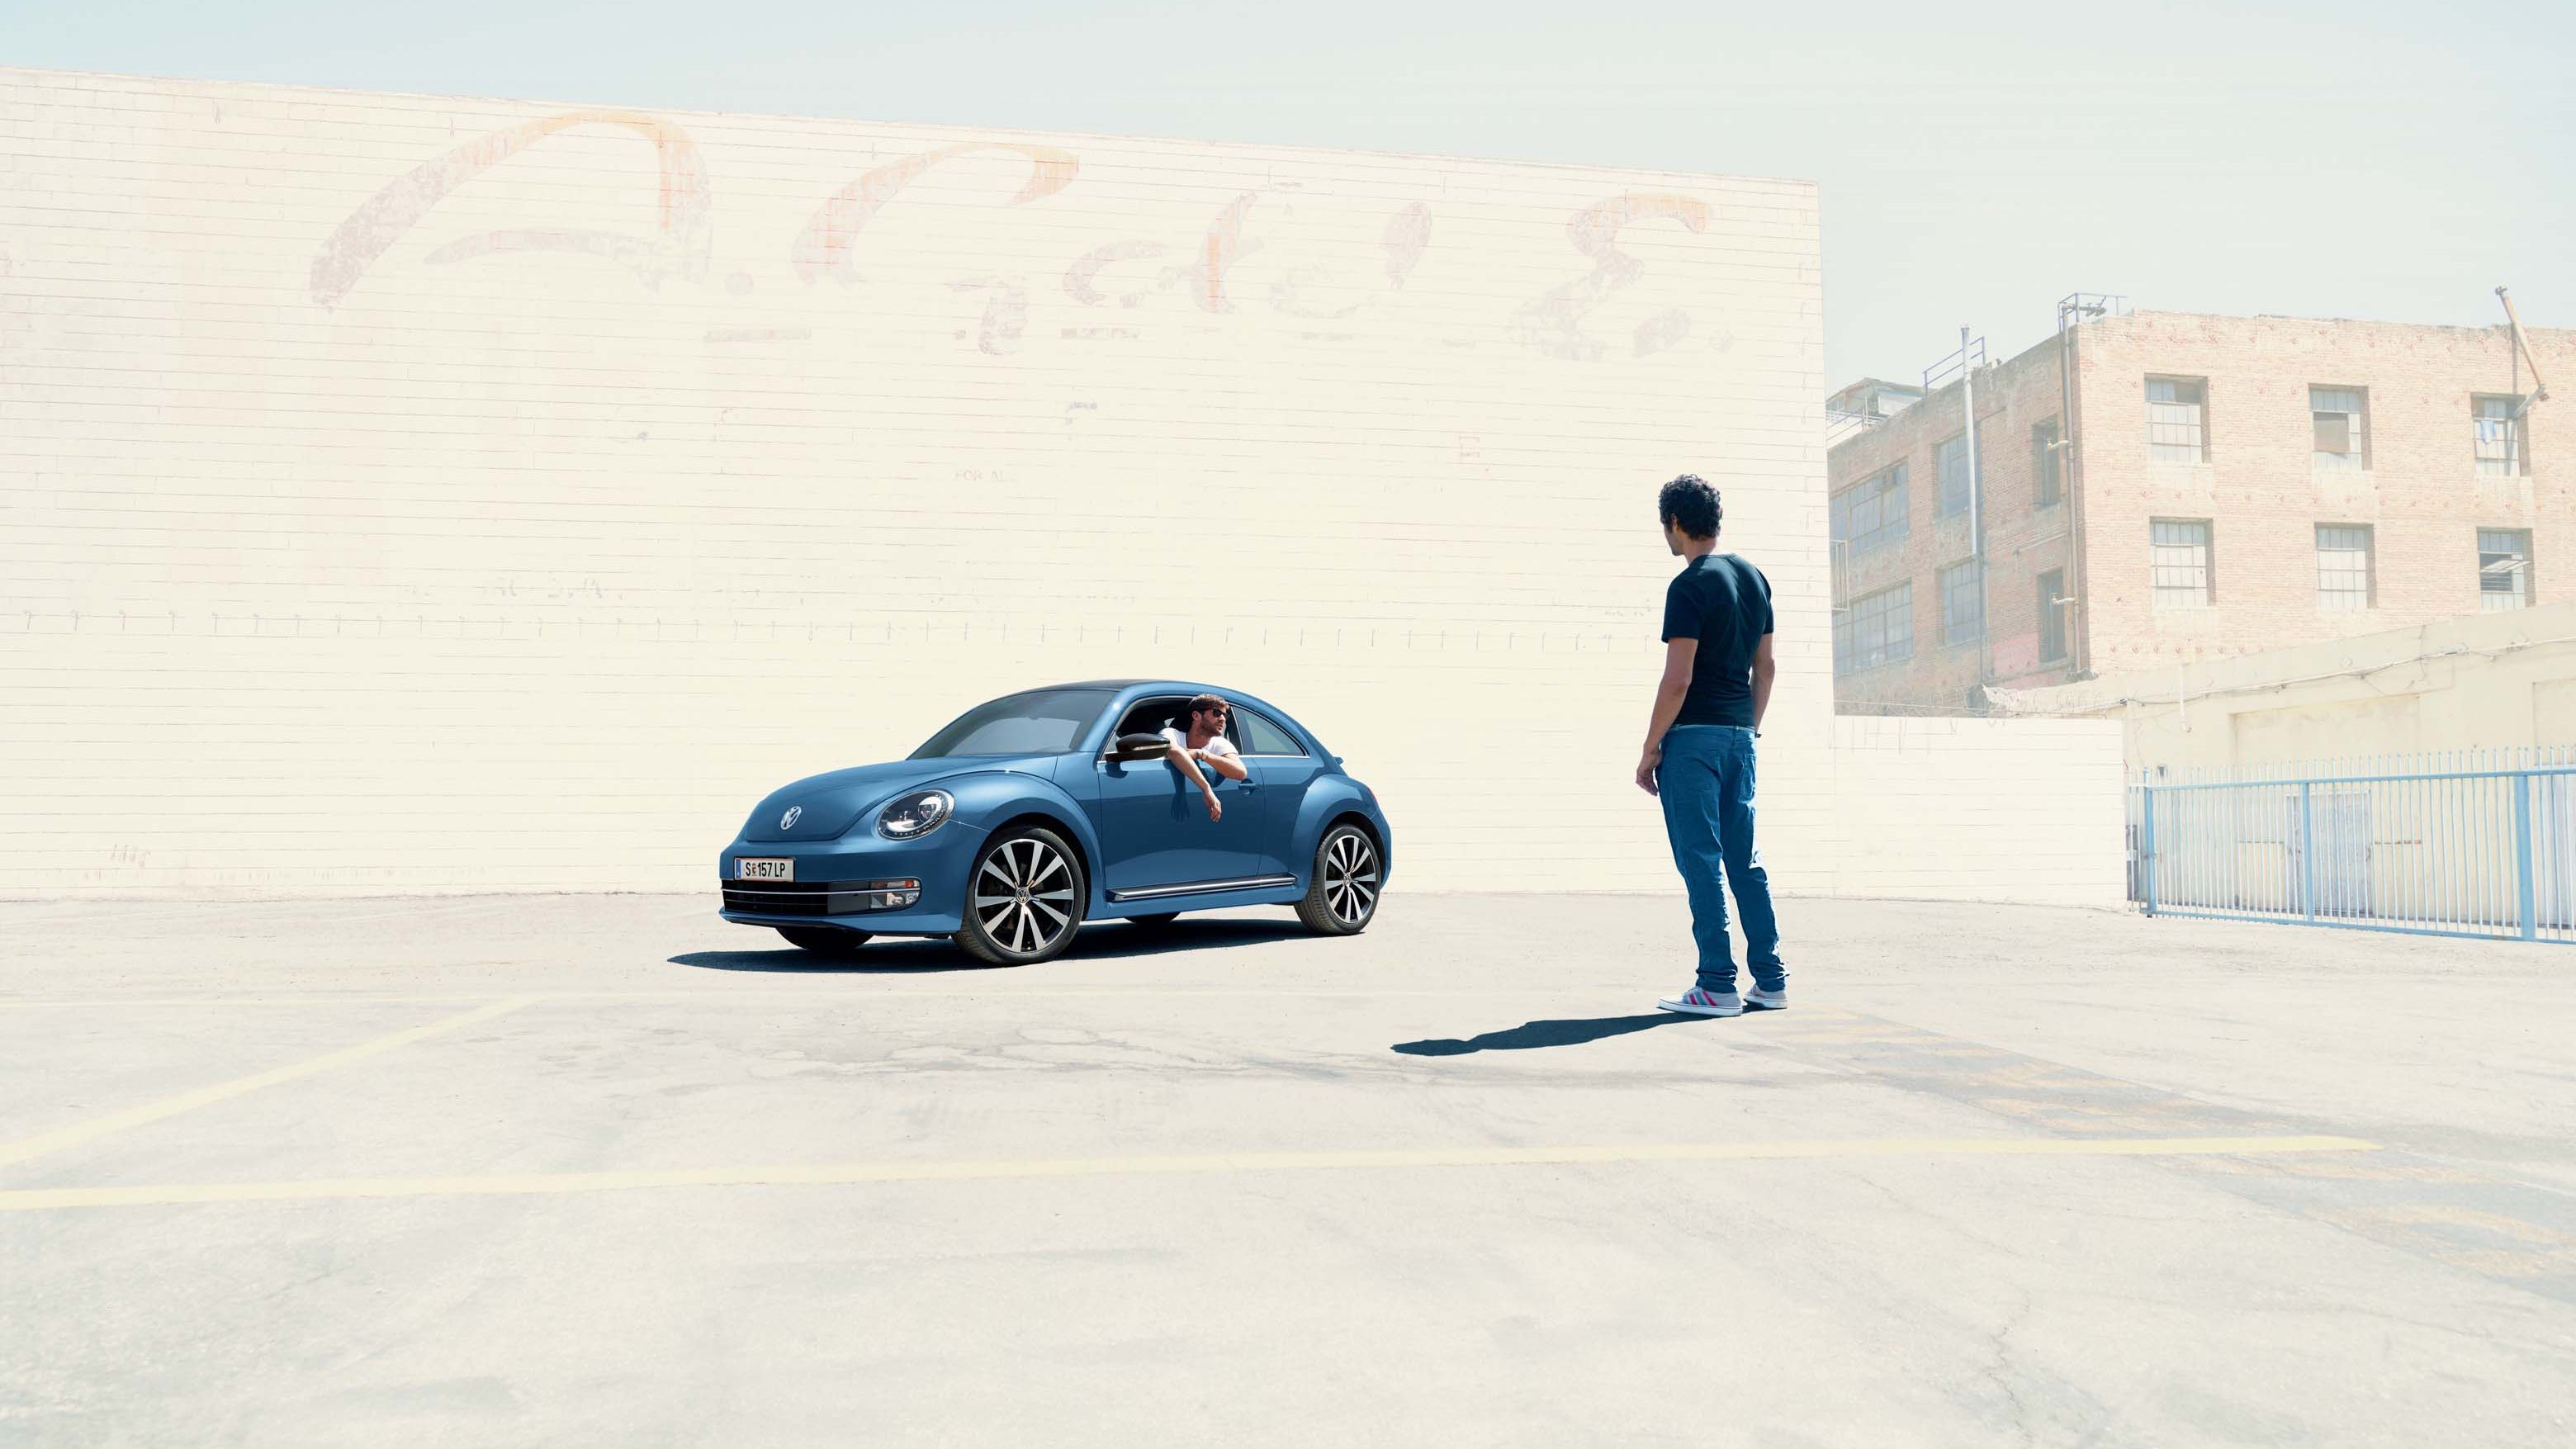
column 2355, row 656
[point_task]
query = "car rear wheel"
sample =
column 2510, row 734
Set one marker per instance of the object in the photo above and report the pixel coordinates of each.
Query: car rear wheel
column 1024, row 899
column 826, row 940
column 1343, row 894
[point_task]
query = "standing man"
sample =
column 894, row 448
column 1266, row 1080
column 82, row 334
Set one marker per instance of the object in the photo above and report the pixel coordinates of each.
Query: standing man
column 1699, row 750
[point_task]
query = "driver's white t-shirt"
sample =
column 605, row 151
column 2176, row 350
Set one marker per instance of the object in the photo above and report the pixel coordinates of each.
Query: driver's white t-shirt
column 1216, row 745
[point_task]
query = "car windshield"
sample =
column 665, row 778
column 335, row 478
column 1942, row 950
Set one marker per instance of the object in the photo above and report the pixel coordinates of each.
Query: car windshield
column 1040, row 722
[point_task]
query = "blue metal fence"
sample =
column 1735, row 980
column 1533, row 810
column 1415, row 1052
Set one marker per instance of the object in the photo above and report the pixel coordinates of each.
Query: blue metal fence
column 2468, row 843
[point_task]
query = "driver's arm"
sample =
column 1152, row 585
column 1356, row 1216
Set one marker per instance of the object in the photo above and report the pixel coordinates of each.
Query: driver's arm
column 1230, row 766
column 1182, row 761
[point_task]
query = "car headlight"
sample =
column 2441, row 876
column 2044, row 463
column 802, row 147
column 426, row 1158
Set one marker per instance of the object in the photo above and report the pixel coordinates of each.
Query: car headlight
column 915, row 815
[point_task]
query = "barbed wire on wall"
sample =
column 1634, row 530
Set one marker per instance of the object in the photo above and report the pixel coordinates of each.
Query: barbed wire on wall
column 450, row 623
column 1897, row 708
column 2359, row 671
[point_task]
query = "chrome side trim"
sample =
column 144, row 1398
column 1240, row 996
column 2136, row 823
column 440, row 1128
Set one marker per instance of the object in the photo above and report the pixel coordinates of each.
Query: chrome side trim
column 1203, row 887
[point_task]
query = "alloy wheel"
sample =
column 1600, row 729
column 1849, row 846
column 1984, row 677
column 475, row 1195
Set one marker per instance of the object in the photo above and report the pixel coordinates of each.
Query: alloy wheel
column 1350, row 878
column 1024, row 895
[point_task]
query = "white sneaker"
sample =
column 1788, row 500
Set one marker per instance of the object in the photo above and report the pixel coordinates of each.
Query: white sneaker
column 1758, row 999
column 1696, row 1002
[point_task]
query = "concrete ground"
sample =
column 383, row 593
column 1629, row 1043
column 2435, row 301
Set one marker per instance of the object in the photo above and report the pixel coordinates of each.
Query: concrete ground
column 551, row 1171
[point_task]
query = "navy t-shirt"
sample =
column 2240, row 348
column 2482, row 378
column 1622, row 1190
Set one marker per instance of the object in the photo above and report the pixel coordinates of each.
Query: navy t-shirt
column 1725, row 604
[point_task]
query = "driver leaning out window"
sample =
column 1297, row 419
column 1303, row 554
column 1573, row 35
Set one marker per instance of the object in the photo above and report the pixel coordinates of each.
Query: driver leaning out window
column 1199, row 745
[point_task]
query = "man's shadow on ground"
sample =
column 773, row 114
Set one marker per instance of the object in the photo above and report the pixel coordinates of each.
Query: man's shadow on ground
column 1529, row 1034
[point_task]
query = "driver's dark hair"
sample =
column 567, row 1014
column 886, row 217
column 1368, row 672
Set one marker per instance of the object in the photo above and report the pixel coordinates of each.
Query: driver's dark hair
column 1689, row 502
column 1190, row 708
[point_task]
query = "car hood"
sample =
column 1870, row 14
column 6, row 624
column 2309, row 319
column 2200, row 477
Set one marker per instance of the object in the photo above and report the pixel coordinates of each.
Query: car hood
column 828, row 805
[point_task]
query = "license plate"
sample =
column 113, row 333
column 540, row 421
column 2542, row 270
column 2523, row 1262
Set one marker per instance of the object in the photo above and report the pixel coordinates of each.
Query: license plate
column 748, row 869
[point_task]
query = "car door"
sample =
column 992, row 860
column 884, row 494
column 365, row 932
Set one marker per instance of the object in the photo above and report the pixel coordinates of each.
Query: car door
column 1153, row 824
column 1282, row 768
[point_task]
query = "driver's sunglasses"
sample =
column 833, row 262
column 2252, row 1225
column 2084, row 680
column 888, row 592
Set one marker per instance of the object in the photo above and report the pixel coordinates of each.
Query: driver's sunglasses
column 1220, row 714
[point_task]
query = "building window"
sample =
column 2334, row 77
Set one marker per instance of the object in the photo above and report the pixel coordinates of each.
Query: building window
column 1875, row 630
column 1952, row 460
column 2343, row 567
column 1871, row 514
column 2047, row 478
column 1963, row 603
column 2175, row 422
column 2178, row 552
column 2500, row 451
column 2504, row 569
column 2338, row 415
column 2052, row 617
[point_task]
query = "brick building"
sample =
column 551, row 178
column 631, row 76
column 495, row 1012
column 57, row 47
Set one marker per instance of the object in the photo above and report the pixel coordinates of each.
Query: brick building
column 1866, row 404
column 2229, row 485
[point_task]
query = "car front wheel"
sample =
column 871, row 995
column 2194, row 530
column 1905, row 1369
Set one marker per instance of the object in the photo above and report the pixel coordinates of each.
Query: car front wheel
column 1024, row 898
column 1343, row 895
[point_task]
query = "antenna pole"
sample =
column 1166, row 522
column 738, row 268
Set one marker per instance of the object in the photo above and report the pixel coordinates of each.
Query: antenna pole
column 2521, row 357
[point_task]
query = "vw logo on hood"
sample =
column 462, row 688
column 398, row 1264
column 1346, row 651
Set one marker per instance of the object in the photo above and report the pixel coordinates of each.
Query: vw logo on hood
column 788, row 820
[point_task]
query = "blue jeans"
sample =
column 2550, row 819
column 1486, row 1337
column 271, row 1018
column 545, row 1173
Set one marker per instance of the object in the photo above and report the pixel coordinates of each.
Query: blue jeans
column 1706, row 783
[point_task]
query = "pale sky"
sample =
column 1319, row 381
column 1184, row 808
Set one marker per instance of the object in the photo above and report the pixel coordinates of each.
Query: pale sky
column 1978, row 161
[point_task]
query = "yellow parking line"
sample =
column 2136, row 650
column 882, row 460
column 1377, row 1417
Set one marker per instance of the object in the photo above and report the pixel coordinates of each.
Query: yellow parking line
column 849, row 1173
column 87, row 1002
column 80, row 1132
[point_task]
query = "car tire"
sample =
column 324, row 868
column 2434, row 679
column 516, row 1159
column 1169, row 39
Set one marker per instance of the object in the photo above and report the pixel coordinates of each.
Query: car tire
column 1341, row 896
column 1018, row 881
column 823, row 940
column 1155, row 922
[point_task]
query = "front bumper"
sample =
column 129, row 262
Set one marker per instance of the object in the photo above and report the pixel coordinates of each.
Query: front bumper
column 822, row 899
column 857, row 882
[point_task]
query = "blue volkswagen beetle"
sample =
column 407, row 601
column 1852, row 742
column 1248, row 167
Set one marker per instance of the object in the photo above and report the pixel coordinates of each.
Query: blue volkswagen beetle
column 1032, row 814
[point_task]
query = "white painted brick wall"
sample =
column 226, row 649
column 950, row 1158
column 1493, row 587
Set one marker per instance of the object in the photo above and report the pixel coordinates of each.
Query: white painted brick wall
column 371, row 519
column 374, row 522
column 1980, row 810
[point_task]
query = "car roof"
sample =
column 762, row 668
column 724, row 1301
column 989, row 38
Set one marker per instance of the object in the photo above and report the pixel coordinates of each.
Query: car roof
column 1178, row 686
column 1147, row 687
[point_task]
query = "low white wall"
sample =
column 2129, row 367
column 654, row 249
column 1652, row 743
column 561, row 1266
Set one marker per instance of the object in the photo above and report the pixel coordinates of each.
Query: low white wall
column 2021, row 811
column 2476, row 682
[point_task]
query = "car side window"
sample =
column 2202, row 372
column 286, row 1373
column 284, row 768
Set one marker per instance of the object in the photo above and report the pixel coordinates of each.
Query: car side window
column 1256, row 735
column 1149, row 717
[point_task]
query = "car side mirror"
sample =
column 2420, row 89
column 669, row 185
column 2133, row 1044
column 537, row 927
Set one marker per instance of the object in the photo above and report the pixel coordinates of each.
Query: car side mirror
column 1138, row 747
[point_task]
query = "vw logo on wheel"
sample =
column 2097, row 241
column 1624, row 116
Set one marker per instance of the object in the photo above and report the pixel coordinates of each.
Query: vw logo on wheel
column 788, row 820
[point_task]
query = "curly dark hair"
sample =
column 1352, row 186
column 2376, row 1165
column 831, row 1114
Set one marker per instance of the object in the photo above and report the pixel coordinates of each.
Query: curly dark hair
column 1691, row 503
